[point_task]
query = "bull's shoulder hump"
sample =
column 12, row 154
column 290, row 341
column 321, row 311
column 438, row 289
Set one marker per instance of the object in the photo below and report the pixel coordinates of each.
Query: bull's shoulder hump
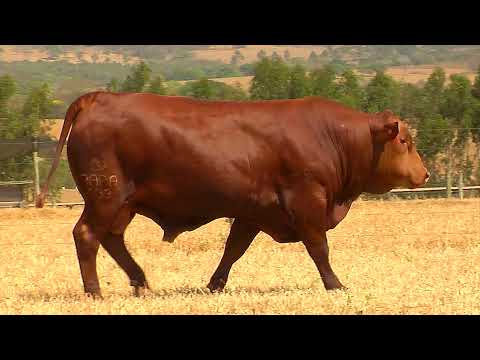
column 333, row 105
column 194, row 102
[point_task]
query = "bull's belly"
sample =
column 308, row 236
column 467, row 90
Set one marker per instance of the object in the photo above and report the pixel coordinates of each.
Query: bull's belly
column 216, row 197
column 178, row 210
column 167, row 200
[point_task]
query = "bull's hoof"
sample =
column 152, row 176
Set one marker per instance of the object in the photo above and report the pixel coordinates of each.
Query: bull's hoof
column 139, row 288
column 169, row 239
column 333, row 284
column 95, row 295
column 139, row 291
column 336, row 287
column 169, row 235
column 216, row 285
column 342, row 288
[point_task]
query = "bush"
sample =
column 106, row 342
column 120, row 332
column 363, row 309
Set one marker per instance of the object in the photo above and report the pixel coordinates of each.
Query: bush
column 61, row 179
column 214, row 90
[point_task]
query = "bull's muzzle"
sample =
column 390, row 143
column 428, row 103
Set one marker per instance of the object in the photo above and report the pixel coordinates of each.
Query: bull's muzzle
column 420, row 181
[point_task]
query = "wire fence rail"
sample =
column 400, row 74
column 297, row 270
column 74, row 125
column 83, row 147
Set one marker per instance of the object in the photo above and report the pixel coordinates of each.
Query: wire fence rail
column 401, row 215
column 438, row 188
column 22, row 204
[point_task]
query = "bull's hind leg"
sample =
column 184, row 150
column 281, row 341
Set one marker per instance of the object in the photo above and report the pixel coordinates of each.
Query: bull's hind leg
column 240, row 237
column 105, row 225
column 114, row 244
column 87, row 244
column 91, row 230
column 107, row 213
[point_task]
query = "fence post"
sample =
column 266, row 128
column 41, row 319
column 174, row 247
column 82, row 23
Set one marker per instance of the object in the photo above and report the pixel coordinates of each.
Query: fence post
column 462, row 171
column 460, row 186
column 36, row 179
column 449, row 170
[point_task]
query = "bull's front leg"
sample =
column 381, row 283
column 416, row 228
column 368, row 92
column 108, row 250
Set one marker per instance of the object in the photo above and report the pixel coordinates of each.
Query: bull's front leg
column 317, row 247
column 241, row 236
column 308, row 206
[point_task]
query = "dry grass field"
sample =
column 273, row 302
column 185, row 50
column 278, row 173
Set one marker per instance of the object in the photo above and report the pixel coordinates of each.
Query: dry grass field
column 13, row 53
column 224, row 53
column 408, row 74
column 414, row 74
column 398, row 257
column 243, row 81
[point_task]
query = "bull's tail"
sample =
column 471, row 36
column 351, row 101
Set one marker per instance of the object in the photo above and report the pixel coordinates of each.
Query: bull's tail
column 70, row 117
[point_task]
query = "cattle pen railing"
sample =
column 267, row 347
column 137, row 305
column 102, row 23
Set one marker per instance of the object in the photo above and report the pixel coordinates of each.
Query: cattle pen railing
column 21, row 204
column 70, row 205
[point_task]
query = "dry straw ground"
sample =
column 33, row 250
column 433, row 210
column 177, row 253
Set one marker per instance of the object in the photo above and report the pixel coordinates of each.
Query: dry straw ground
column 250, row 52
column 399, row 257
column 13, row 53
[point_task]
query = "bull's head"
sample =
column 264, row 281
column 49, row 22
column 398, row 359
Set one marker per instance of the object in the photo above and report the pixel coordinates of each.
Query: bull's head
column 398, row 162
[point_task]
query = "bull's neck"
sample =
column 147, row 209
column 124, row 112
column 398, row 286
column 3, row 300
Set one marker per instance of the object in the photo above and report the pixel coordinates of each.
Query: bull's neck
column 356, row 159
column 375, row 184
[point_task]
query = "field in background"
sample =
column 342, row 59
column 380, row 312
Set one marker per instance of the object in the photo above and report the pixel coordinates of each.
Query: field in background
column 13, row 53
column 414, row 74
column 243, row 81
column 249, row 52
column 408, row 74
column 398, row 257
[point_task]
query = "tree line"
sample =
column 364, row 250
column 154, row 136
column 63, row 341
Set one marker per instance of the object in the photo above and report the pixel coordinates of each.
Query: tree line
column 141, row 79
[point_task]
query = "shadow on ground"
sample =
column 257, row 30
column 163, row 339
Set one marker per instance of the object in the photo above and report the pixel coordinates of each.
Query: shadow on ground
column 162, row 293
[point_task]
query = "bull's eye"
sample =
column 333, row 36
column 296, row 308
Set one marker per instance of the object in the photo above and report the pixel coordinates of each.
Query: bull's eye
column 403, row 141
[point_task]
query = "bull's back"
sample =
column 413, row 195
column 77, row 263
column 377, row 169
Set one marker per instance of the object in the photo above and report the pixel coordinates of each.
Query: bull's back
column 177, row 150
column 187, row 152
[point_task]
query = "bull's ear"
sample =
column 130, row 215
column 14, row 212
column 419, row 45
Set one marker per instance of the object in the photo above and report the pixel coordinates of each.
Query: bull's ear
column 391, row 130
column 385, row 114
column 383, row 131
